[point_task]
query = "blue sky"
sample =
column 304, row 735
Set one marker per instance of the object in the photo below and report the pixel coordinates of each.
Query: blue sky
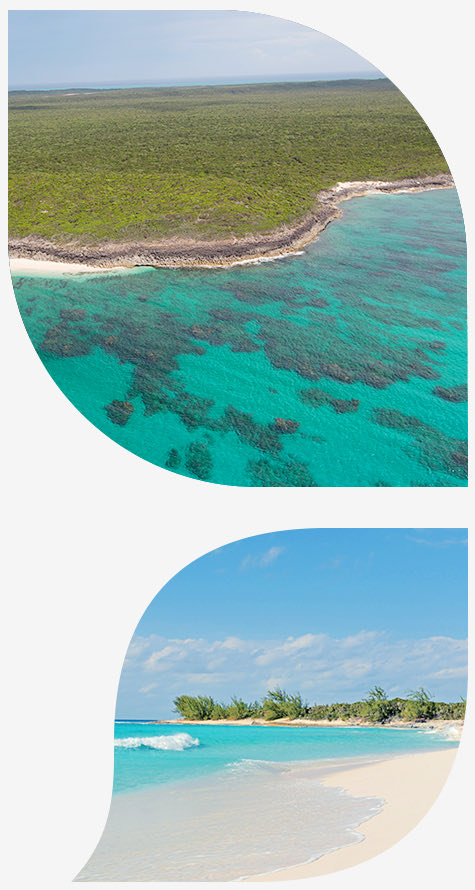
column 327, row 612
column 50, row 48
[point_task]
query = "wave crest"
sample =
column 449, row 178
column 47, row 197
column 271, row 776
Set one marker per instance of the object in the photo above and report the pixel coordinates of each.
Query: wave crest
column 177, row 742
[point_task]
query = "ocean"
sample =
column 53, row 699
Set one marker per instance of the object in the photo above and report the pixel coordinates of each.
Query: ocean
column 230, row 80
column 344, row 365
column 221, row 802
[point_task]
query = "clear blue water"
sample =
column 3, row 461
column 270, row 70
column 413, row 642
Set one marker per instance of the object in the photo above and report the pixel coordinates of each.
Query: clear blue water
column 342, row 366
column 210, row 750
column 215, row 803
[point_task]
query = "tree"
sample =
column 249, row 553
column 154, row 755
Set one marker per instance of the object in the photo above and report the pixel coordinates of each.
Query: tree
column 194, row 708
column 420, row 706
column 219, row 712
column 279, row 703
column 377, row 707
column 238, row 709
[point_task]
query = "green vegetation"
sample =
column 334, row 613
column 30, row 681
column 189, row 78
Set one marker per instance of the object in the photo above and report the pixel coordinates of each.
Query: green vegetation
column 198, row 708
column 278, row 704
column 144, row 164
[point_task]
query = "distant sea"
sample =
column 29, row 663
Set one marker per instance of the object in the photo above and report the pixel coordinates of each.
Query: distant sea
column 210, row 81
column 220, row 802
column 342, row 366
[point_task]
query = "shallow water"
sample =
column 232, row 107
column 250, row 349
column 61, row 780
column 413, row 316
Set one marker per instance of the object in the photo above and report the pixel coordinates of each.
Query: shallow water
column 345, row 365
column 148, row 755
column 220, row 802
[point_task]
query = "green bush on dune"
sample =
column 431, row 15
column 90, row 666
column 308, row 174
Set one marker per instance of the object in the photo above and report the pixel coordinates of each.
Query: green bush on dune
column 278, row 704
column 195, row 708
column 419, row 706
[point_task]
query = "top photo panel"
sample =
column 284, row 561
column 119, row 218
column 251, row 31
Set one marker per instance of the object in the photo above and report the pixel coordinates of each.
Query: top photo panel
column 237, row 248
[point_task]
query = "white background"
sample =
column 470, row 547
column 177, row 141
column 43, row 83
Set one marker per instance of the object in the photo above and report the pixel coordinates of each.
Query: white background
column 92, row 532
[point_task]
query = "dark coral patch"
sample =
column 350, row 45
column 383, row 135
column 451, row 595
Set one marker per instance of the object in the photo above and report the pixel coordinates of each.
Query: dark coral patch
column 435, row 345
column 198, row 460
column 72, row 314
column 436, row 449
column 452, row 393
column 192, row 410
column 119, row 412
column 282, row 425
column 287, row 475
column 59, row 340
column 317, row 302
column 259, row 435
column 460, row 459
column 318, row 397
column 173, row 460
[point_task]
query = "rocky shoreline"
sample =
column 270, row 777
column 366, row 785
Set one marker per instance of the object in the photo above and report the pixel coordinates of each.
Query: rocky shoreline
column 217, row 253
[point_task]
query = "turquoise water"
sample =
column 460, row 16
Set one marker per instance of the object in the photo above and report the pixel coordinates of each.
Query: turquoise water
column 215, row 803
column 342, row 366
column 147, row 755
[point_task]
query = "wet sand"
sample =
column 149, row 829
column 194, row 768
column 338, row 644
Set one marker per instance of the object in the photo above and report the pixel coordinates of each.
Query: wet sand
column 409, row 786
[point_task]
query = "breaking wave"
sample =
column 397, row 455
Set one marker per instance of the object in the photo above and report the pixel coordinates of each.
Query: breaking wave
column 177, row 742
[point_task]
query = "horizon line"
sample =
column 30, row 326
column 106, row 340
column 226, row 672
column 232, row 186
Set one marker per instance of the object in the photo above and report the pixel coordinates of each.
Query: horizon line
column 234, row 80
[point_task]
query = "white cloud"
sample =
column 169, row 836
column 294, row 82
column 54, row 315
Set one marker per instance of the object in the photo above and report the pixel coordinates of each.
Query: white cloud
column 261, row 560
column 270, row 556
column 446, row 542
column 156, row 657
column 145, row 690
column 450, row 673
column 137, row 646
column 321, row 667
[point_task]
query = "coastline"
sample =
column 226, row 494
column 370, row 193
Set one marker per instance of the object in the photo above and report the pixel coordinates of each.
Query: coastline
column 450, row 728
column 325, row 815
column 409, row 785
column 26, row 254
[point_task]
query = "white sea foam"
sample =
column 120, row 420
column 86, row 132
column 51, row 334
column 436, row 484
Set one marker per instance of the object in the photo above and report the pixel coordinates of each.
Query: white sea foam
column 229, row 824
column 255, row 261
column 249, row 765
column 177, row 742
column 445, row 733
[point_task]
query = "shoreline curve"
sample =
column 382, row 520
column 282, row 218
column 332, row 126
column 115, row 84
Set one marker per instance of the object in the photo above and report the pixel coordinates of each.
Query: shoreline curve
column 409, row 786
column 38, row 256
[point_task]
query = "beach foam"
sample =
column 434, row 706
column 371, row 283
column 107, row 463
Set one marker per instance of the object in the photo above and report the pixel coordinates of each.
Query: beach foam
column 225, row 826
column 178, row 742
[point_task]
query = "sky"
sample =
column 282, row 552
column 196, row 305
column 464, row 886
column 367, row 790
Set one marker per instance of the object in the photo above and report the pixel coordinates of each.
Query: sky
column 325, row 612
column 49, row 48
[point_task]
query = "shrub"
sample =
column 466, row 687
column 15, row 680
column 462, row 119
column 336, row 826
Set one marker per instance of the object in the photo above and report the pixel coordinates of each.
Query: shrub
column 194, row 708
column 377, row 706
column 219, row 712
column 238, row 709
column 278, row 704
column 420, row 706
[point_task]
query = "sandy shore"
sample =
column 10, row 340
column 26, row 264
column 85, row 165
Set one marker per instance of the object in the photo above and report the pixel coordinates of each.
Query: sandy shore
column 450, row 728
column 28, row 266
column 409, row 786
column 177, row 252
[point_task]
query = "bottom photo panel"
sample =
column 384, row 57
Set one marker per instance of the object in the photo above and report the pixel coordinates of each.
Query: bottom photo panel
column 290, row 705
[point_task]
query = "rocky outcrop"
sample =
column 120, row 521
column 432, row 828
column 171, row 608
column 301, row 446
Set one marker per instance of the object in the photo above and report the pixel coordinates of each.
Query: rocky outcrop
column 216, row 252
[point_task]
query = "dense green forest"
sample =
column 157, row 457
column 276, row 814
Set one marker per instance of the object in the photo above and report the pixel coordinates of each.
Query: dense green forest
column 278, row 704
column 143, row 164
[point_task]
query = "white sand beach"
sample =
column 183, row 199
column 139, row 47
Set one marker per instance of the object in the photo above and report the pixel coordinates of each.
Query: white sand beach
column 26, row 266
column 409, row 785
